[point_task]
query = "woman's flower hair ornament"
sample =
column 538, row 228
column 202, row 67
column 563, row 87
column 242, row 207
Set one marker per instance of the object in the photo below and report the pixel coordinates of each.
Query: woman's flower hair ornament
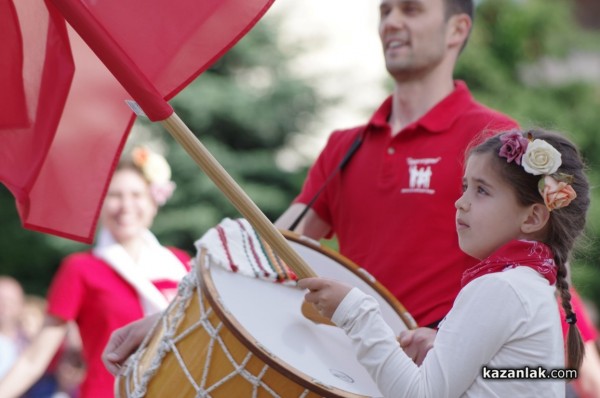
column 538, row 157
column 156, row 170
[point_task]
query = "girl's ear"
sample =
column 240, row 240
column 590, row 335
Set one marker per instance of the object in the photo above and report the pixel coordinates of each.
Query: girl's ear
column 536, row 220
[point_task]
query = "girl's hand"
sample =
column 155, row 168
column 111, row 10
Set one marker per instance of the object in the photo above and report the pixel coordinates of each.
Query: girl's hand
column 324, row 294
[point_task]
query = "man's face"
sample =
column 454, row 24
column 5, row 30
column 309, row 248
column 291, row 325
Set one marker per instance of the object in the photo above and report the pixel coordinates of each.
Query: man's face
column 413, row 35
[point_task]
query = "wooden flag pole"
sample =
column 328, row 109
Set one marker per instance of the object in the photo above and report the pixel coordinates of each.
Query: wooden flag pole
column 236, row 195
column 213, row 169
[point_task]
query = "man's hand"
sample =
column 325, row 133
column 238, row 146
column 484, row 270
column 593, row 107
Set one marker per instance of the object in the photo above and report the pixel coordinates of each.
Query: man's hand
column 124, row 341
column 416, row 343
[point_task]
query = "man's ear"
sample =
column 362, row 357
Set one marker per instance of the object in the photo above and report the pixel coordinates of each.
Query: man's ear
column 536, row 219
column 459, row 26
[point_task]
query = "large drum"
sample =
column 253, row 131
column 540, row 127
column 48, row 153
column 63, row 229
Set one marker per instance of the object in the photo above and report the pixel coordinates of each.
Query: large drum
column 243, row 337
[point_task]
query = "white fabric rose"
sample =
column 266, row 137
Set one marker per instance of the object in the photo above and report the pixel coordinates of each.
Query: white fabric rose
column 541, row 158
column 156, row 169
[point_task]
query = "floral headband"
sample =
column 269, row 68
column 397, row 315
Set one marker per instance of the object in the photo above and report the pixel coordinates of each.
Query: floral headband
column 537, row 157
column 157, row 171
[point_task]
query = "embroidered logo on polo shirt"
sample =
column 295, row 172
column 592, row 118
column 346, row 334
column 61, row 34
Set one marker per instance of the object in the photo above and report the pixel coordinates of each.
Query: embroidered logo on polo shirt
column 420, row 171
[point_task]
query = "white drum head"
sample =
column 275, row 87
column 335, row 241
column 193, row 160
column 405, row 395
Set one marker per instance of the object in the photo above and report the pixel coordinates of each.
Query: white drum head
column 271, row 314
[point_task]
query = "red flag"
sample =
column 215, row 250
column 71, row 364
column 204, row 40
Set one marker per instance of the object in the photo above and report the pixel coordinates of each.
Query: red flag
column 67, row 136
column 58, row 155
column 157, row 47
column 13, row 110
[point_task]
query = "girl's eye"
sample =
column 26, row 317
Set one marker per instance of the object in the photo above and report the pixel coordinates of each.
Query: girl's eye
column 464, row 187
column 481, row 190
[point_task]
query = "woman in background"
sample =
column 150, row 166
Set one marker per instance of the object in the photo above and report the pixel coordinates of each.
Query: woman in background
column 127, row 275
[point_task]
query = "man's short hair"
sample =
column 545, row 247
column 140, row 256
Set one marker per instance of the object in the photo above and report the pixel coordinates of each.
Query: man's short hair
column 454, row 7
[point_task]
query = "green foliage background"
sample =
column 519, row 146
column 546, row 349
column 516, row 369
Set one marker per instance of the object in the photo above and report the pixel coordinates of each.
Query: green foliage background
column 249, row 106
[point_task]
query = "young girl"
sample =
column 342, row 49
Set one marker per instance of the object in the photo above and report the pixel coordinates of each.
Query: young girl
column 524, row 203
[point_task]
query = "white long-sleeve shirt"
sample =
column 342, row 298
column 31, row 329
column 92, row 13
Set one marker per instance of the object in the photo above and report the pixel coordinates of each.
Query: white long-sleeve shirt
column 505, row 320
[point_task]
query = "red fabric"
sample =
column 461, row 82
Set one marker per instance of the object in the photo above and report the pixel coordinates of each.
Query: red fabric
column 88, row 291
column 63, row 130
column 402, row 231
column 516, row 253
column 13, row 110
column 57, row 164
column 157, row 47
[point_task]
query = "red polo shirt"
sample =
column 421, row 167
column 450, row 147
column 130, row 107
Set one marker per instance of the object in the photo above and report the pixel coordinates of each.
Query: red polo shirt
column 392, row 207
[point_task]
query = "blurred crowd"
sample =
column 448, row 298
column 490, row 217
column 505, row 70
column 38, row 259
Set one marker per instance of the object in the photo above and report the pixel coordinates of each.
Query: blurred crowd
column 21, row 318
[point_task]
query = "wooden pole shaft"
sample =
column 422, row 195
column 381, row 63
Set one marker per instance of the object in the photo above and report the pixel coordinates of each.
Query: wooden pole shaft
column 213, row 169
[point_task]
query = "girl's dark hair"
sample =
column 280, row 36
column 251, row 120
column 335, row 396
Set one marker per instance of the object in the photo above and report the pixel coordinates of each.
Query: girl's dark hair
column 565, row 224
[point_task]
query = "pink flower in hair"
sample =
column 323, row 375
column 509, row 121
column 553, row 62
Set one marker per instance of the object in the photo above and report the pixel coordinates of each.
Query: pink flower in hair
column 513, row 147
column 161, row 192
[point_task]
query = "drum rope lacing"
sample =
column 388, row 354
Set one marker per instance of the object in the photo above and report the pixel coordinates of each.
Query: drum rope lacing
column 170, row 321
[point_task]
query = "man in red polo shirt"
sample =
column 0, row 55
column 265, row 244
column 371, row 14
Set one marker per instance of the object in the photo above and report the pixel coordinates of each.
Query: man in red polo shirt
column 392, row 206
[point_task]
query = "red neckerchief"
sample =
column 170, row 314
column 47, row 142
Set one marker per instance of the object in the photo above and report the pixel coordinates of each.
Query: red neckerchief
column 516, row 253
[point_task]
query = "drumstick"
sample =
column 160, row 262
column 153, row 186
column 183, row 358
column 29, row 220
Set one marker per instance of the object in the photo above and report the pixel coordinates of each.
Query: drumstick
column 310, row 311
